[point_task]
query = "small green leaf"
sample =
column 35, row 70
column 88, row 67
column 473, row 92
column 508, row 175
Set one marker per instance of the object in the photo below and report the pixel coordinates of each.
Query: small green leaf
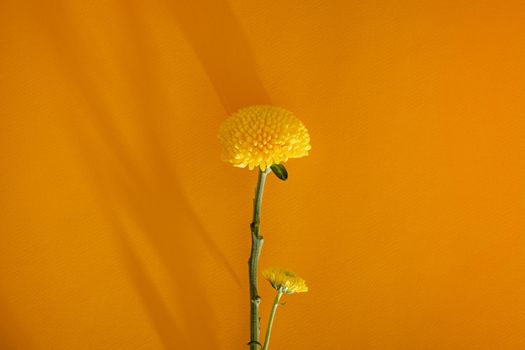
column 280, row 171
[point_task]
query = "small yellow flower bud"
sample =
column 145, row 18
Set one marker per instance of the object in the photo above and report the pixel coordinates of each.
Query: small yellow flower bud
column 285, row 281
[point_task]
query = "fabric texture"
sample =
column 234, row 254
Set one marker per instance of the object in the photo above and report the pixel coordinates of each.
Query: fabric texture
column 121, row 228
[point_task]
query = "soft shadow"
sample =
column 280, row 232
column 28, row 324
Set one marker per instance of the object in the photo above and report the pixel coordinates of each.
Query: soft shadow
column 164, row 323
column 221, row 46
column 152, row 103
column 12, row 334
column 152, row 195
column 152, row 198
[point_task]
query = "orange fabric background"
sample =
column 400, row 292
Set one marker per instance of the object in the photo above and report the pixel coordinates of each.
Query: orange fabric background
column 122, row 229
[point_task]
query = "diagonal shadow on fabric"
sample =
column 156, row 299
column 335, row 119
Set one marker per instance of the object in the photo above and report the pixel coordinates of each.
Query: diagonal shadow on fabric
column 154, row 197
column 221, row 46
column 131, row 191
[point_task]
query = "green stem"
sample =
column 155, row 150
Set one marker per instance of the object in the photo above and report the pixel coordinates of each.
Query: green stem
column 272, row 316
column 257, row 242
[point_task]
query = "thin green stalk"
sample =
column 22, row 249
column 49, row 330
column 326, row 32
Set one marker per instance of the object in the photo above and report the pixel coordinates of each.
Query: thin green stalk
column 253, row 262
column 272, row 316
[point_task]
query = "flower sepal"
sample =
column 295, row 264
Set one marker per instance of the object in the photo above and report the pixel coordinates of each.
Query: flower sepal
column 280, row 171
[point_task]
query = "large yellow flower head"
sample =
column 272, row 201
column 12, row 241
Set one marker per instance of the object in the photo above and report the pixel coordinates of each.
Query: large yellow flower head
column 259, row 136
column 285, row 281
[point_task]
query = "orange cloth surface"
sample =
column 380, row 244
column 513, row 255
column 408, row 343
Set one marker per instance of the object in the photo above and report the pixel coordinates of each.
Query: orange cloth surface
column 120, row 227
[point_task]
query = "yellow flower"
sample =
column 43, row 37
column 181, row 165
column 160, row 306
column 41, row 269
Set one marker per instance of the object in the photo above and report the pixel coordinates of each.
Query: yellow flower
column 285, row 281
column 259, row 136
